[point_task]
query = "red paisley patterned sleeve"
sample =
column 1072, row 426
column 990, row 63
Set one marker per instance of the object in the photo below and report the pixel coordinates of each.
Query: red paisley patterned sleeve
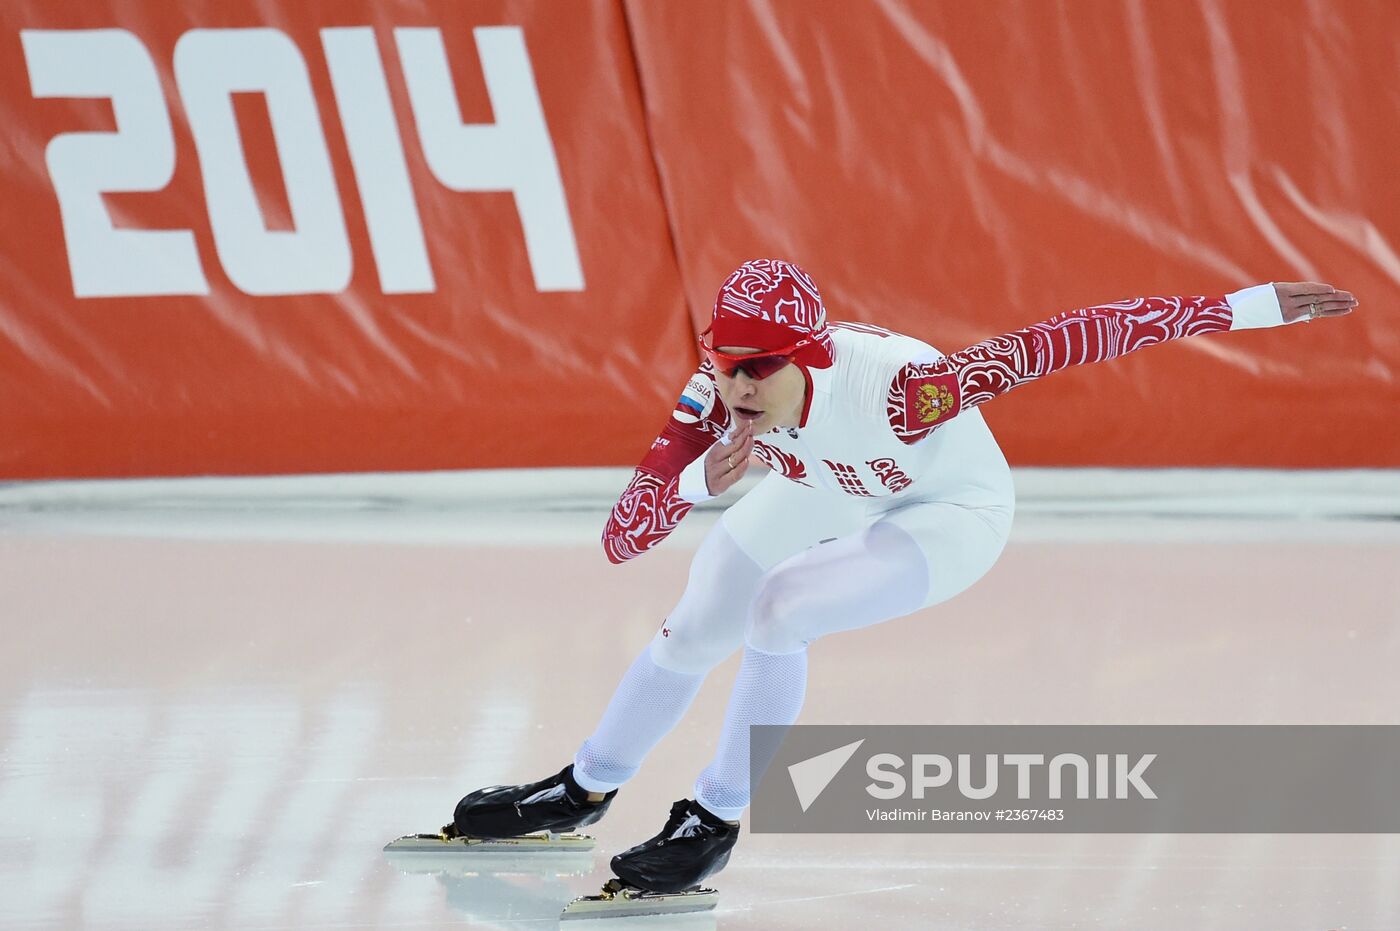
column 924, row 396
column 651, row 506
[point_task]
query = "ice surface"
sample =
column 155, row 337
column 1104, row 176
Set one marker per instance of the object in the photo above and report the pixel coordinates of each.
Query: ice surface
column 215, row 716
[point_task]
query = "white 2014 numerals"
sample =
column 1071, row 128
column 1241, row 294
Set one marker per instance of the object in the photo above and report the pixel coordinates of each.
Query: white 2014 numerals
column 514, row 154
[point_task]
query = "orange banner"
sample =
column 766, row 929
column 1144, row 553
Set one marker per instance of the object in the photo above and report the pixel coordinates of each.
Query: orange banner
column 355, row 236
column 955, row 171
column 332, row 236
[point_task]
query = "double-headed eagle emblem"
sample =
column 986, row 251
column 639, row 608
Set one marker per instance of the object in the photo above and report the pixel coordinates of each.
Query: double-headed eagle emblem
column 932, row 402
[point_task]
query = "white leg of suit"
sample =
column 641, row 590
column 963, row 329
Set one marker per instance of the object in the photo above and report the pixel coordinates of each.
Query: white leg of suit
column 784, row 566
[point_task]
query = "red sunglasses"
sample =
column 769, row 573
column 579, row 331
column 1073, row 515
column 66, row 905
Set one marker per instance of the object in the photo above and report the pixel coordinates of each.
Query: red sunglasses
column 756, row 365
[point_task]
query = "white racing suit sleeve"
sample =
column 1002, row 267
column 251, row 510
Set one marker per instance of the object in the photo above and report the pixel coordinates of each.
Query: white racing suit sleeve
column 1255, row 308
column 693, row 486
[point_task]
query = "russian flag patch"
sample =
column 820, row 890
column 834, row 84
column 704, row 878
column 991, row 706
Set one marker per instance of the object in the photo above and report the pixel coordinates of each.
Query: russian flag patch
column 697, row 400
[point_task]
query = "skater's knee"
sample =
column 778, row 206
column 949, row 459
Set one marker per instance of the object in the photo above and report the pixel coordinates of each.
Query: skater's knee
column 688, row 649
column 775, row 620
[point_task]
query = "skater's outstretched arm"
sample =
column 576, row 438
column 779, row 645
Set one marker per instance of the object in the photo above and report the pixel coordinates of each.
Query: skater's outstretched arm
column 688, row 462
column 925, row 395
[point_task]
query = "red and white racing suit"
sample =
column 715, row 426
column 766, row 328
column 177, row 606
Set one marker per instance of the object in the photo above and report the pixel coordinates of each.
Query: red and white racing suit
column 891, row 423
column 890, row 495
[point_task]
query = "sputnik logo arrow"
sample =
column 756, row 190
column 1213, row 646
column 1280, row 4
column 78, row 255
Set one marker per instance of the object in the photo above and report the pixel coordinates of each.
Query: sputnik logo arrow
column 811, row 777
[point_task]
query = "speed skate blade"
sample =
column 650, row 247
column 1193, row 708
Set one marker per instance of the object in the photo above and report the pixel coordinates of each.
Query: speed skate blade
column 530, row 843
column 619, row 901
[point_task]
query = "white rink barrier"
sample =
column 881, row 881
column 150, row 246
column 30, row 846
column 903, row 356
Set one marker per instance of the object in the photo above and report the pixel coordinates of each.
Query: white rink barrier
column 515, row 506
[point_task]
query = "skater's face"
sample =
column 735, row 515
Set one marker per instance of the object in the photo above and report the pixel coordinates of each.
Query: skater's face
column 774, row 401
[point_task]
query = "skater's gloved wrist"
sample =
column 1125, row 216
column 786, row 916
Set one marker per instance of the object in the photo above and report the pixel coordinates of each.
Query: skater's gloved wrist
column 1254, row 308
column 693, row 487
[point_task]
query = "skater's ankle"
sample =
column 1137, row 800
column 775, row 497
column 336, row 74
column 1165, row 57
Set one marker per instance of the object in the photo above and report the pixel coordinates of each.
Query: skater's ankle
column 732, row 822
column 579, row 793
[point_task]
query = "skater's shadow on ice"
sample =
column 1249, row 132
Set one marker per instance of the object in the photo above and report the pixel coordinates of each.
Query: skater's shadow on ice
column 496, row 890
column 527, row 891
column 686, row 922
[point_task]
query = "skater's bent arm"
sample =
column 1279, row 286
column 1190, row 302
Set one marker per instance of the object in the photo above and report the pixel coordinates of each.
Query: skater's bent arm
column 673, row 475
column 925, row 395
column 646, row 513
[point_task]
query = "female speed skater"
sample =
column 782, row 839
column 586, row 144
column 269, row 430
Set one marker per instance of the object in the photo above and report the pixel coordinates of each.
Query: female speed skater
column 887, row 494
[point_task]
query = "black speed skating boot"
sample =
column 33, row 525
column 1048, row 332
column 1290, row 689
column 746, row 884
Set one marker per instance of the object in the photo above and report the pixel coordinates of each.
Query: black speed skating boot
column 557, row 804
column 694, row 844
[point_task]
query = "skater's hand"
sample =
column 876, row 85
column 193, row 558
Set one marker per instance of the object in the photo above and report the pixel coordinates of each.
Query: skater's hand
column 1298, row 299
column 726, row 463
